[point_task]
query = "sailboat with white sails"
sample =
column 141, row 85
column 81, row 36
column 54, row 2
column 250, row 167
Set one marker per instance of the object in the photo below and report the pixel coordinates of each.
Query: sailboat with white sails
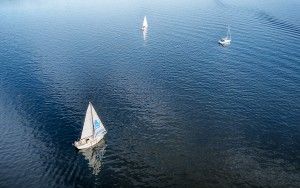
column 145, row 24
column 226, row 40
column 93, row 129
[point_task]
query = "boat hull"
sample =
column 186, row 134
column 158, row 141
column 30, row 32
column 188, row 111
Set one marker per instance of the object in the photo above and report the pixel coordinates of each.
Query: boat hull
column 224, row 43
column 88, row 144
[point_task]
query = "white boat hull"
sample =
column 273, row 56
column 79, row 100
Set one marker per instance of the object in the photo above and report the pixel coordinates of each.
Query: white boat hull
column 81, row 144
column 224, row 43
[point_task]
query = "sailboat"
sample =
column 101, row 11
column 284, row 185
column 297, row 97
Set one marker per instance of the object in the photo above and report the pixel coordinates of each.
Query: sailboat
column 226, row 40
column 93, row 129
column 145, row 24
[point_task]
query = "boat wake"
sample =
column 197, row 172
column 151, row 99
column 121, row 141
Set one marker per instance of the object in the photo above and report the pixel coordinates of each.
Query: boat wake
column 275, row 22
column 263, row 17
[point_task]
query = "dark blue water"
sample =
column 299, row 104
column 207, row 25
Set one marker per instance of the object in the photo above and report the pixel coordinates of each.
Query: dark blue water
column 180, row 110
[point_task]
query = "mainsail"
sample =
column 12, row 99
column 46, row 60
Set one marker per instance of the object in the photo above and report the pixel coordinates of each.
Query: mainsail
column 92, row 124
column 87, row 130
column 145, row 23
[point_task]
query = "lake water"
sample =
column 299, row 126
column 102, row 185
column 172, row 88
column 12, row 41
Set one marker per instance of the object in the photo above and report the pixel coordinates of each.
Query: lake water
column 180, row 110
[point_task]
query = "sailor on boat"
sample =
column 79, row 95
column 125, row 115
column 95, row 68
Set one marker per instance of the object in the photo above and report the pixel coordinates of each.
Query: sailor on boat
column 93, row 129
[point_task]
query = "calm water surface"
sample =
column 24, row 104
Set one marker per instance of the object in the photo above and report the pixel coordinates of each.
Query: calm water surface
column 180, row 110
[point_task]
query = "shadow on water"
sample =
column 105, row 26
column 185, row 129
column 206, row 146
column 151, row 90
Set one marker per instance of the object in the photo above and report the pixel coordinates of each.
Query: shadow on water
column 145, row 35
column 94, row 156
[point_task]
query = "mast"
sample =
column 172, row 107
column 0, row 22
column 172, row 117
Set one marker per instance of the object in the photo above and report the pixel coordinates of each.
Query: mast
column 92, row 118
column 228, row 33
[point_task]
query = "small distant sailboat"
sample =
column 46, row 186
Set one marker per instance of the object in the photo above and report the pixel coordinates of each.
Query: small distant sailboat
column 93, row 129
column 145, row 24
column 226, row 40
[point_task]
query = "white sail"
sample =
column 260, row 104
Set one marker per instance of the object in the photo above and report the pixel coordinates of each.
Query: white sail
column 87, row 130
column 145, row 23
column 99, row 129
